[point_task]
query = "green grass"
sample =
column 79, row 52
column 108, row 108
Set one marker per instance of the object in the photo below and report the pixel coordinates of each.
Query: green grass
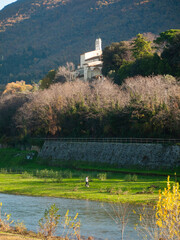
column 75, row 188
column 113, row 189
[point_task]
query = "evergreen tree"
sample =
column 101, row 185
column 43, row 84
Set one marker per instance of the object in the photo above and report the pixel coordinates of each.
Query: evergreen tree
column 141, row 47
column 114, row 56
column 47, row 80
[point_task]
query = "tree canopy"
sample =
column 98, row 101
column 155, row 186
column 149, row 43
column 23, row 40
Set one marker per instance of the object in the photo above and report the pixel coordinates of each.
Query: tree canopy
column 48, row 79
column 114, row 55
column 18, row 86
column 167, row 36
column 141, row 47
column 143, row 57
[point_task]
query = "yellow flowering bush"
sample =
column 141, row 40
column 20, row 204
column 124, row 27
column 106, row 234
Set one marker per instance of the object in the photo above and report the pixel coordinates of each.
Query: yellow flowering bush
column 5, row 223
column 168, row 212
column 71, row 227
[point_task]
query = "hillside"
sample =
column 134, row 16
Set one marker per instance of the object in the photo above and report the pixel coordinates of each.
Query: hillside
column 38, row 35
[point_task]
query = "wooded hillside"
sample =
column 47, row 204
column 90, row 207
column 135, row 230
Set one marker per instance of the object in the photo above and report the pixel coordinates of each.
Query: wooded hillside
column 39, row 35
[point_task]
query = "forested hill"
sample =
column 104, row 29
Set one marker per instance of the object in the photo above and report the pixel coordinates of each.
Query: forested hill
column 38, row 35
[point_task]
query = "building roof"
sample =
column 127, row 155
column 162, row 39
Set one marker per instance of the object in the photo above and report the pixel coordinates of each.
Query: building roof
column 95, row 64
column 95, row 57
column 92, row 54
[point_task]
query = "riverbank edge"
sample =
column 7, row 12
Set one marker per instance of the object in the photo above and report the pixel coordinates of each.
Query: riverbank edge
column 142, row 203
column 35, row 164
column 11, row 234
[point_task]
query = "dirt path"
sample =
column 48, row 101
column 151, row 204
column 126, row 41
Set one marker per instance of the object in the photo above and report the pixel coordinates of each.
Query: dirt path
column 11, row 236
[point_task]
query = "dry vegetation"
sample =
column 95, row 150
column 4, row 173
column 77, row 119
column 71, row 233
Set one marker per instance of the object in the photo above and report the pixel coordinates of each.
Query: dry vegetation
column 141, row 107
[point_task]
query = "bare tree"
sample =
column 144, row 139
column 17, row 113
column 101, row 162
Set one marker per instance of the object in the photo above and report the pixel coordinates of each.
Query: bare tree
column 65, row 73
column 44, row 112
column 119, row 213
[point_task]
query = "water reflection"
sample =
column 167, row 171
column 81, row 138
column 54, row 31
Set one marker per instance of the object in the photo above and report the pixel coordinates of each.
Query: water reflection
column 94, row 219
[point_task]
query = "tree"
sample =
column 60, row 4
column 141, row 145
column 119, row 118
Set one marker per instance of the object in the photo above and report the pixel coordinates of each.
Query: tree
column 141, row 47
column 171, row 55
column 62, row 75
column 114, row 55
column 167, row 37
column 48, row 79
column 65, row 73
column 18, row 86
column 9, row 105
column 168, row 43
column 144, row 66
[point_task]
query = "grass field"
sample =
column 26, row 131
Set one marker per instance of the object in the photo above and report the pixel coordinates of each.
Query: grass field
column 19, row 176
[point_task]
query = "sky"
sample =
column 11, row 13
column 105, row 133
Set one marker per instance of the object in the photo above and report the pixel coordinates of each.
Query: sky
column 3, row 3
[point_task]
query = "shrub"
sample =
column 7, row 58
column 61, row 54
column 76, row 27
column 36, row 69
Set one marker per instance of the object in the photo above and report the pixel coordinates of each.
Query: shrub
column 102, row 176
column 119, row 191
column 162, row 222
column 26, row 175
column 20, row 227
column 59, row 178
column 49, row 222
column 71, row 227
column 67, row 174
column 110, row 190
column 150, row 190
column 128, row 178
column 131, row 178
column 168, row 212
column 3, row 171
column 134, row 178
column 5, row 223
column 49, row 174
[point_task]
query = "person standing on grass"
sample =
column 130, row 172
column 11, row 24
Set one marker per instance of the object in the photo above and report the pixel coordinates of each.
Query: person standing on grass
column 87, row 182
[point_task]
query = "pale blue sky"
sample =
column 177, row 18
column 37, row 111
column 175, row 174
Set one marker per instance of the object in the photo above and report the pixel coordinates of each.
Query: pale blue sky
column 3, row 3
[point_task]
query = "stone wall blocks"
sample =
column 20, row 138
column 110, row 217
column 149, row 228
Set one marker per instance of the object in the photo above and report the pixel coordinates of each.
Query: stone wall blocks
column 151, row 155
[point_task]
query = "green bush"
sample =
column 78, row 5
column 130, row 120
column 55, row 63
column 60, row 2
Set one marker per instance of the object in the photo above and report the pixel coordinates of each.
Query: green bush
column 110, row 190
column 49, row 174
column 67, row 174
column 102, row 176
column 134, row 178
column 127, row 178
column 131, row 178
column 59, row 178
column 3, row 170
column 26, row 175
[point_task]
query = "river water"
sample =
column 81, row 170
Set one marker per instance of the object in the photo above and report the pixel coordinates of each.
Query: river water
column 95, row 221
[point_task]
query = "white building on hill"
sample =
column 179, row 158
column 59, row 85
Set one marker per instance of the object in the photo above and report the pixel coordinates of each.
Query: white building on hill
column 91, row 63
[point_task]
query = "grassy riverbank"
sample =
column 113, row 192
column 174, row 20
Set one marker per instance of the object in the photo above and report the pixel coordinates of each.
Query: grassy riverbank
column 114, row 188
column 20, row 176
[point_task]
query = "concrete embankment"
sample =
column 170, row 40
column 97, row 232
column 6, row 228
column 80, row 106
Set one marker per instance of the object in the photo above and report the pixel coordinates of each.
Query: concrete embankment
column 121, row 154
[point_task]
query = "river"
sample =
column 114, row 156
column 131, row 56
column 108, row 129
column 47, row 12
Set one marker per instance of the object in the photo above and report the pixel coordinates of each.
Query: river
column 95, row 221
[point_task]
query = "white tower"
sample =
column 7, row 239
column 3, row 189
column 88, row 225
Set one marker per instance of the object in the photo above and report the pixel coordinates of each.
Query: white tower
column 98, row 44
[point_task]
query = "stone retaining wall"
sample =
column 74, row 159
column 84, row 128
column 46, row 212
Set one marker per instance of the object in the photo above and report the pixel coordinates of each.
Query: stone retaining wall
column 121, row 154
